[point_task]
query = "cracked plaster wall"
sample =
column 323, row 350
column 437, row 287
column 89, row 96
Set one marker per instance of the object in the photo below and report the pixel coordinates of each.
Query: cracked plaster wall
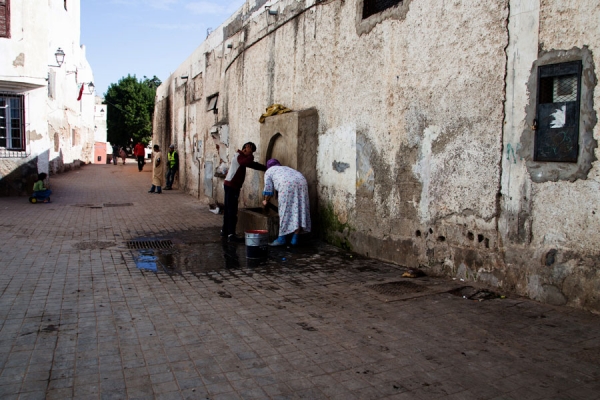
column 549, row 220
column 420, row 120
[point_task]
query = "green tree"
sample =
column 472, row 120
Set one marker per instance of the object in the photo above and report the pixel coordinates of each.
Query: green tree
column 130, row 106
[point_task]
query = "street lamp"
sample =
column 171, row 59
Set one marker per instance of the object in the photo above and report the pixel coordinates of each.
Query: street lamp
column 60, row 58
column 91, row 87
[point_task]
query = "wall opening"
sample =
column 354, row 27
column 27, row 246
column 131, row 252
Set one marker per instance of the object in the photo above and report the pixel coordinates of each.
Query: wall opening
column 372, row 7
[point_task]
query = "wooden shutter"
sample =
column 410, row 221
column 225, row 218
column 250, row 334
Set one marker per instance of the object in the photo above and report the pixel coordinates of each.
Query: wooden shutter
column 5, row 18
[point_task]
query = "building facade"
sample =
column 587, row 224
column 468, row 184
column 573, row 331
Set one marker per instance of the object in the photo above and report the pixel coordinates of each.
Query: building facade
column 46, row 92
column 459, row 137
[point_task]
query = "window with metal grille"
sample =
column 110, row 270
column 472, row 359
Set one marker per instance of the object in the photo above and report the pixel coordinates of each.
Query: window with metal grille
column 371, row 7
column 12, row 122
column 5, row 18
column 557, row 112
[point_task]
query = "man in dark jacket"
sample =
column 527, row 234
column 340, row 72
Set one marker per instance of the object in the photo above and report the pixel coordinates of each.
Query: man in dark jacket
column 233, row 185
column 172, row 166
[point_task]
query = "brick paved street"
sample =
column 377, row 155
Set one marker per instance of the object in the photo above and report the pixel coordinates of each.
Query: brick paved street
column 79, row 319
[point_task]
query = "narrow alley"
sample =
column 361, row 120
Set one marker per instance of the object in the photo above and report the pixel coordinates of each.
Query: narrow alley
column 109, row 292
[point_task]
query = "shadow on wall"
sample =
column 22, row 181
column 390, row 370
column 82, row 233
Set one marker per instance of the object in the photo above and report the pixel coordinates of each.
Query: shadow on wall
column 22, row 174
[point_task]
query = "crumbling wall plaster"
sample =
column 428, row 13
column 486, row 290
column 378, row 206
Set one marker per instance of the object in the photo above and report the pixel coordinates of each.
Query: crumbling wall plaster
column 298, row 64
column 338, row 146
column 420, row 156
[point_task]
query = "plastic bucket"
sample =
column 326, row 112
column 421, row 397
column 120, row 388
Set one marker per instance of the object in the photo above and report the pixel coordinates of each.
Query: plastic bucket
column 257, row 243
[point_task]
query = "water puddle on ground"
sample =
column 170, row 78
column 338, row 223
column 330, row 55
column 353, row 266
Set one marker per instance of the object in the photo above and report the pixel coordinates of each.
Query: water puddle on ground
column 146, row 260
column 202, row 252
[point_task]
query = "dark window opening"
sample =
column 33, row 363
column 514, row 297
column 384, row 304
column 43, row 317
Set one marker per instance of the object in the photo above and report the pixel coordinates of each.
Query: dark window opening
column 5, row 18
column 212, row 102
column 557, row 112
column 371, row 7
column 12, row 122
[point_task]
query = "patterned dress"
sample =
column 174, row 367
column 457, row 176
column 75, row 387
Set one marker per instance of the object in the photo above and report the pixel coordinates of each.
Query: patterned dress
column 294, row 210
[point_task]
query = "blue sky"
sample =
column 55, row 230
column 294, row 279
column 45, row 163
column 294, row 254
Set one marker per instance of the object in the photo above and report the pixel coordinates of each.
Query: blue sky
column 145, row 37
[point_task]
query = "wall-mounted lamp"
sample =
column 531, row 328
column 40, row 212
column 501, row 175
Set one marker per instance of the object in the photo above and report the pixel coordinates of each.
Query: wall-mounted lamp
column 60, row 58
column 183, row 77
column 230, row 45
column 90, row 86
column 273, row 12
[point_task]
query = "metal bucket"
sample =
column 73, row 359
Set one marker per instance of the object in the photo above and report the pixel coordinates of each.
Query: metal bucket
column 257, row 243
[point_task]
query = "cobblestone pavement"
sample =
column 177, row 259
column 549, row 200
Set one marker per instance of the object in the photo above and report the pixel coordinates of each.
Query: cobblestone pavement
column 80, row 319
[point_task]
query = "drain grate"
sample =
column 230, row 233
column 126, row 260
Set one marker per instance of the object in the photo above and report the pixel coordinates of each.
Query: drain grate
column 397, row 288
column 118, row 204
column 149, row 244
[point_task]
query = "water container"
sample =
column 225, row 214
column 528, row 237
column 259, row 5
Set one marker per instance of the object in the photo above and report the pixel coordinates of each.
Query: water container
column 257, row 243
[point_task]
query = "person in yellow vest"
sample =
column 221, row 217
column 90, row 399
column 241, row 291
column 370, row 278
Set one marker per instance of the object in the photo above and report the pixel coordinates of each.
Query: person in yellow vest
column 172, row 166
column 158, row 171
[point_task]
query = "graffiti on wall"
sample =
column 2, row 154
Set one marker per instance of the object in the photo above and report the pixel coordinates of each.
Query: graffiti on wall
column 511, row 153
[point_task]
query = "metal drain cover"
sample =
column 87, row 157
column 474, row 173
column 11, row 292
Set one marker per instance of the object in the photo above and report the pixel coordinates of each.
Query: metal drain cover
column 397, row 288
column 149, row 244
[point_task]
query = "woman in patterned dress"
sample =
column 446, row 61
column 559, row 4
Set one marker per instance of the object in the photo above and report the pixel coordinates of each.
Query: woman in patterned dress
column 292, row 189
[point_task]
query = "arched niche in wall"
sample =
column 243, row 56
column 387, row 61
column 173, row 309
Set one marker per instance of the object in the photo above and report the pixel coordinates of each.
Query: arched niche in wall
column 277, row 149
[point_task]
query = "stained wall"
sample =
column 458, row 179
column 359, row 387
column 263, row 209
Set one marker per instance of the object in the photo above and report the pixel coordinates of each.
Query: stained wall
column 423, row 154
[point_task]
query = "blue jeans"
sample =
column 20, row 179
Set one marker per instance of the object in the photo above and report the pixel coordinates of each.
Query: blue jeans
column 42, row 194
column 170, row 177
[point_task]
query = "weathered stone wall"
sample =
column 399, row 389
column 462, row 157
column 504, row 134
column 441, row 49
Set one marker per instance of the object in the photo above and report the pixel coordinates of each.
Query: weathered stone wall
column 423, row 152
column 550, row 227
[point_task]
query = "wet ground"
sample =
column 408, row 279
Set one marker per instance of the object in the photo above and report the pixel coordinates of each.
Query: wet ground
column 112, row 293
column 202, row 252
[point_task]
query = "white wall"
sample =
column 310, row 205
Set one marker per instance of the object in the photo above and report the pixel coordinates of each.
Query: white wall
column 27, row 66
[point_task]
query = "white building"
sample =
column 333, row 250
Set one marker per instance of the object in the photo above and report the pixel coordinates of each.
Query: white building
column 46, row 92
